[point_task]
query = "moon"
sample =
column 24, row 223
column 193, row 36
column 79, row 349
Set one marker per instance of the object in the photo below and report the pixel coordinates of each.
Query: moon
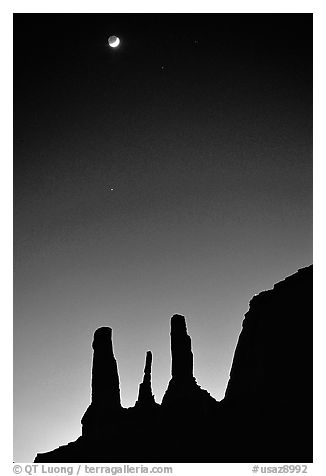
column 114, row 41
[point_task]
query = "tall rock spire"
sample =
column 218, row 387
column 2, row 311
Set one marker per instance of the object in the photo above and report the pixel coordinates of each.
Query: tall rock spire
column 105, row 405
column 105, row 378
column 145, row 396
column 183, row 392
column 182, row 357
column 182, row 383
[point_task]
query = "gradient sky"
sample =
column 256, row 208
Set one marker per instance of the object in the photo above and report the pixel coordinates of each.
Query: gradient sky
column 210, row 159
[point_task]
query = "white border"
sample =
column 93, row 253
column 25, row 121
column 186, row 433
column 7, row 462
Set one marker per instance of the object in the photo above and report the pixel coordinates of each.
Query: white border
column 95, row 6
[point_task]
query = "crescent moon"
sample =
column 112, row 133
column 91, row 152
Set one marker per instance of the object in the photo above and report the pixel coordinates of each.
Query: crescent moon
column 114, row 41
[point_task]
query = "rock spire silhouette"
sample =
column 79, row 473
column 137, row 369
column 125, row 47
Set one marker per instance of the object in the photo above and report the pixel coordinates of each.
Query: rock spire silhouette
column 105, row 401
column 181, row 353
column 145, row 395
column 265, row 416
column 105, row 377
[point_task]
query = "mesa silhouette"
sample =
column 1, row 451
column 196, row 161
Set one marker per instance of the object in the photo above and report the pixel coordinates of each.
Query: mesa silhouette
column 265, row 415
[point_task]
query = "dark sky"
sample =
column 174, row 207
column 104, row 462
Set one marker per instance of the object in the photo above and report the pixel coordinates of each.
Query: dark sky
column 202, row 125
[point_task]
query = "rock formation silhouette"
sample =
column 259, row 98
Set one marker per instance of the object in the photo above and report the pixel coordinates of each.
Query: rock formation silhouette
column 265, row 416
column 270, row 385
column 182, row 357
column 105, row 378
column 105, row 385
column 183, row 392
column 145, row 397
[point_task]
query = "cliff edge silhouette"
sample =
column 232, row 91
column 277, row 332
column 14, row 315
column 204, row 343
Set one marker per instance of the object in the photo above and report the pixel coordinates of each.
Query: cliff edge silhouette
column 265, row 415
